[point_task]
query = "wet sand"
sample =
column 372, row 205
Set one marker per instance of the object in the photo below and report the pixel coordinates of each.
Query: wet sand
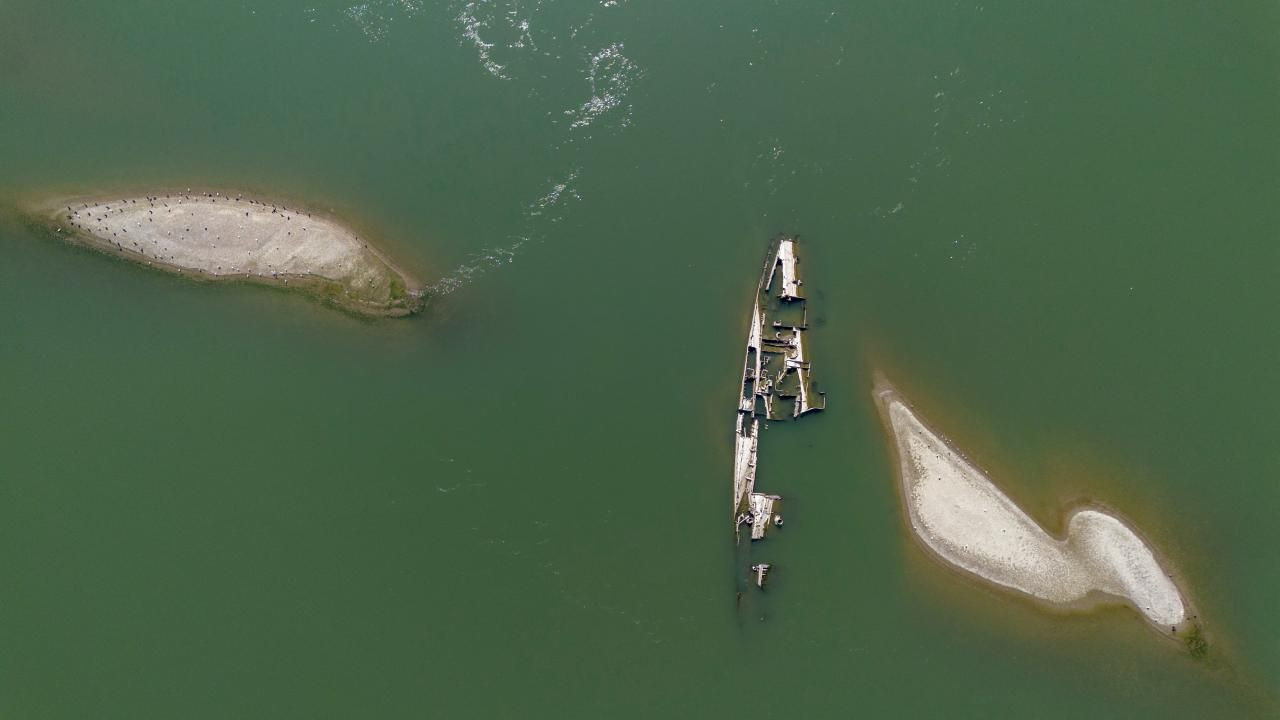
column 218, row 235
column 962, row 518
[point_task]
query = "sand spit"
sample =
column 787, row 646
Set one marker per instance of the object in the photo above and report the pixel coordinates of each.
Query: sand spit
column 966, row 521
column 228, row 236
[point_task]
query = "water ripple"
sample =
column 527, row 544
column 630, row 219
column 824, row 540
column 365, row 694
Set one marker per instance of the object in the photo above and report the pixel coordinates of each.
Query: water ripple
column 476, row 265
column 472, row 24
column 548, row 207
column 374, row 18
column 610, row 75
column 518, row 42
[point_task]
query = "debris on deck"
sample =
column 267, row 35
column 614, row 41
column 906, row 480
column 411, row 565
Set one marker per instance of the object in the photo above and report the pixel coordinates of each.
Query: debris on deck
column 776, row 383
column 762, row 515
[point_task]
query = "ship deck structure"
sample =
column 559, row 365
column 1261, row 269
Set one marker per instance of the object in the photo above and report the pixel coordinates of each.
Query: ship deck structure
column 777, row 385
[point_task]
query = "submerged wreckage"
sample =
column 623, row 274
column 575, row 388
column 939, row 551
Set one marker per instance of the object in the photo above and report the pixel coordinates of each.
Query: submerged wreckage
column 776, row 385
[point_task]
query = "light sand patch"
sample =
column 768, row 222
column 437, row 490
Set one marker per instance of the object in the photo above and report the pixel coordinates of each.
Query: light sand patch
column 227, row 236
column 966, row 521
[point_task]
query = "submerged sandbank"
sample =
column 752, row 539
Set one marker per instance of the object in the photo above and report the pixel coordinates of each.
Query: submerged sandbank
column 965, row 520
column 219, row 235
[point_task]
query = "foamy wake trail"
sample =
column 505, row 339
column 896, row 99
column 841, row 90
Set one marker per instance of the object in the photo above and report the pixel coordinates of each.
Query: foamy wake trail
column 515, row 43
column 548, row 208
column 475, row 19
column 476, row 265
column 610, row 75
column 559, row 194
column 375, row 17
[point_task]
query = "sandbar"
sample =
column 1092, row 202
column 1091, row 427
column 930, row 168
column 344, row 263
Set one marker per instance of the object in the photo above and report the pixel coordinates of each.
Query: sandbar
column 229, row 236
column 964, row 519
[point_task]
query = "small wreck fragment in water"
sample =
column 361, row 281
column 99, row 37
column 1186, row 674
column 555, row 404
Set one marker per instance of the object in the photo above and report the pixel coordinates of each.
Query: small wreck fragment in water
column 761, row 570
column 776, row 383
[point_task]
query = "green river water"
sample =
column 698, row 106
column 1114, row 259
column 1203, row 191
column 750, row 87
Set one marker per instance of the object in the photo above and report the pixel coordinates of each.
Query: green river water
column 1053, row 225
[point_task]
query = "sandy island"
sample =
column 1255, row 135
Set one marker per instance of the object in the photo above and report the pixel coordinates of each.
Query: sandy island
column 964, row 519
column 218, row 235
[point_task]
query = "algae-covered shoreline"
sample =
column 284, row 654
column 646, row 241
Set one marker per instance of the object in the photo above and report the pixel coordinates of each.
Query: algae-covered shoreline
column 222, row 235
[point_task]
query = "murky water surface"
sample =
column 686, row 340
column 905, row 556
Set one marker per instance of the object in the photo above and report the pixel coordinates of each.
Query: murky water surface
column 1054, row 228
